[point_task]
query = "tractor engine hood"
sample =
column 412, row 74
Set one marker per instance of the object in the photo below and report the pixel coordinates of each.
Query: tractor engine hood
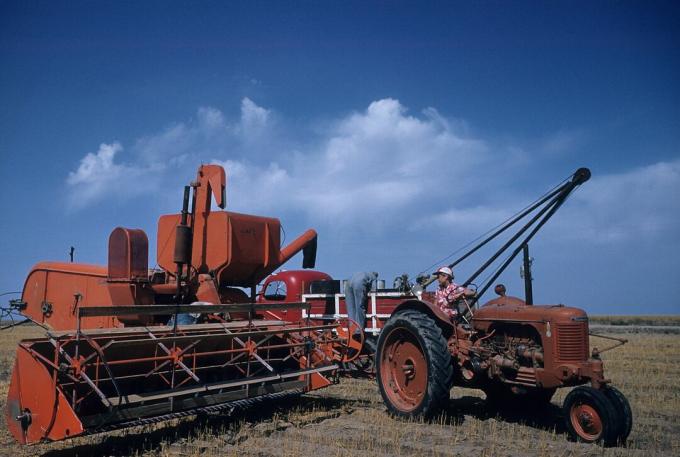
column 514, row 309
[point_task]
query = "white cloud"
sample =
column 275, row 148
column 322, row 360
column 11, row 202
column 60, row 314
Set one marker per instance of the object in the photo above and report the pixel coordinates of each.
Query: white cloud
column 474, row 218
column 609, row 208
column 98, row 176
column 626, row 207
column 375, row 168
column 372, row 165
column 98, row 166
column 253, row 117
column 153, row 157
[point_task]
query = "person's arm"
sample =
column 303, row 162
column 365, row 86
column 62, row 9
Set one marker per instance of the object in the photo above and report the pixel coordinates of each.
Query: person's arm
column 469, row 292
column 463, row 292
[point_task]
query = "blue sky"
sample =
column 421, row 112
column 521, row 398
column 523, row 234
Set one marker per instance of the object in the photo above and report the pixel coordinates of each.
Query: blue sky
column 399, row 130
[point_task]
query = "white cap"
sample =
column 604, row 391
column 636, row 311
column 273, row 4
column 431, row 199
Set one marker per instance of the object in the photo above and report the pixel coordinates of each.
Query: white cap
column 445, row 270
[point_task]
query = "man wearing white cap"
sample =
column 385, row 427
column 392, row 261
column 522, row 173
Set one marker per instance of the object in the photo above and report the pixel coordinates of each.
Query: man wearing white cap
column 449, row 292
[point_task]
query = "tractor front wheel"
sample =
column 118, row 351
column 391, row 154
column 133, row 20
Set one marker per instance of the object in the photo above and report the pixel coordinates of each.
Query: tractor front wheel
column 591, row 417
column 414, row 369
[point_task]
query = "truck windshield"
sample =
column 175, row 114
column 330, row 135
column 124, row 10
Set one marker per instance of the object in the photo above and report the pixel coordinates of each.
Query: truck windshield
column 275, row 290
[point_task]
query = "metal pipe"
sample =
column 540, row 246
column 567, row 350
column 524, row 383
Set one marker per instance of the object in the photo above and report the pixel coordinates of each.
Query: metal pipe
column 500, row 230
column 514, row 238
column 297, row 245
column 581, row 176
column 528, row 288
column 183, row 241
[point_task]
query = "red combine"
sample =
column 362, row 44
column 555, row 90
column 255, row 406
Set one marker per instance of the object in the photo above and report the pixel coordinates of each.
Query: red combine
column 110, row 358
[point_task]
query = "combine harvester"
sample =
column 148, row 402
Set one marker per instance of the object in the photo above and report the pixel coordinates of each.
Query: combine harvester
column 110, row 359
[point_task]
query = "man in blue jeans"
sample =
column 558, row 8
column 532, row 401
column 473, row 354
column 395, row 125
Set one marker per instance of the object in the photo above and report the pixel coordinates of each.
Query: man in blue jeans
column 356, row 295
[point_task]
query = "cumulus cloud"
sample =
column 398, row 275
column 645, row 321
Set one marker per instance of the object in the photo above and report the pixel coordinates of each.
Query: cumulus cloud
column 207, row 136
column 375, row 168
column 625, row 207
column 473, row 218
column 610, row 208
column 376, row 163
column 253, row 117
column 97, row 175
column 96, row 166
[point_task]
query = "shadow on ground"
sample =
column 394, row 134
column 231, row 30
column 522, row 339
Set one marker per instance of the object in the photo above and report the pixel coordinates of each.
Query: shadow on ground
column 224, row 427
column 139, row 440
column 547, row 417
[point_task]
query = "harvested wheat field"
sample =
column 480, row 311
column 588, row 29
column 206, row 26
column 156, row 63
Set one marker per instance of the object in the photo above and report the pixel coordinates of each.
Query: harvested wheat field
column 350, row 419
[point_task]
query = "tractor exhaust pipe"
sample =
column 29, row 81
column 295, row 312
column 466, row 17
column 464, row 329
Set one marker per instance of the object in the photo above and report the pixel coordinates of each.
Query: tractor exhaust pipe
column 183, row 240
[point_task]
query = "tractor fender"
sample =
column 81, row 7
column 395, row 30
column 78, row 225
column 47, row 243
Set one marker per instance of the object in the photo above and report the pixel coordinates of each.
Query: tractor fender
column 442, row 320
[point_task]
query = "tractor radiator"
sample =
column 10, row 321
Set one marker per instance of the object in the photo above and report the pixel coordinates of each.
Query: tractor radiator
column 572, row 341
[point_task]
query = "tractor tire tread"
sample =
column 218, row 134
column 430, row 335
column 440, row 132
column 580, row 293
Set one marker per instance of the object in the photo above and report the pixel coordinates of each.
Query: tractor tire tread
column 437, row 346
column 623, row 410
column 440, row 368
column 605, row 407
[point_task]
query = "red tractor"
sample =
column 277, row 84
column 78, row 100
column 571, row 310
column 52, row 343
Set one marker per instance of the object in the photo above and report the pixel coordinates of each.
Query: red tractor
column 514, row 351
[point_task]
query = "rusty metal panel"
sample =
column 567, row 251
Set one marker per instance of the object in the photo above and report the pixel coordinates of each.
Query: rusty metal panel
column 128, row 254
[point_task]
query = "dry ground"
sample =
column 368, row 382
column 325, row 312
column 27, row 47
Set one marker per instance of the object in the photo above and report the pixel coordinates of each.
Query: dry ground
column 349, row 419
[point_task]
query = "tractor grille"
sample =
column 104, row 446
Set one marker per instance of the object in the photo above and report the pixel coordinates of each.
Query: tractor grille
column 572, row 341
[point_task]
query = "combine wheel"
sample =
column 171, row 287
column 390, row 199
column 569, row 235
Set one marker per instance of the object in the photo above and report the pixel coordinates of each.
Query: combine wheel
column 591, row 417
column 414, row 368
column 624, row 413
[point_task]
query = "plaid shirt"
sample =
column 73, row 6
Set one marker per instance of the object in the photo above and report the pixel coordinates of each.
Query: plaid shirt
column 445, row 296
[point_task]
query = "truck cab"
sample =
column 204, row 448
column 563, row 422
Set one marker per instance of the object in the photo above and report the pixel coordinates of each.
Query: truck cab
column 288, row 286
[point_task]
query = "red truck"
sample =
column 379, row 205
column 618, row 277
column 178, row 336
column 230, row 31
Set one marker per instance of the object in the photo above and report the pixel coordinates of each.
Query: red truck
column 327, row 302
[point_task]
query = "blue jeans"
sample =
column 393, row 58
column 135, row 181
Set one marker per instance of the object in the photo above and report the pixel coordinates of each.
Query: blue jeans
column 356, row 301
column 182, row 319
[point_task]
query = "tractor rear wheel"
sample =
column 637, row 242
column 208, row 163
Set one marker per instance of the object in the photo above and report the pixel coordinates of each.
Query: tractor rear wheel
column 413, row 363
column 591, row 417
column 623, row 411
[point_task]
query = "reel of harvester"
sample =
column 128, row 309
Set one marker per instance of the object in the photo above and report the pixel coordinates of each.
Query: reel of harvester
column 345, row 347
column 71, row 383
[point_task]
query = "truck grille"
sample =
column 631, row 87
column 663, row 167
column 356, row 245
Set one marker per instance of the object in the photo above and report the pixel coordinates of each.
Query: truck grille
column 572, row 341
